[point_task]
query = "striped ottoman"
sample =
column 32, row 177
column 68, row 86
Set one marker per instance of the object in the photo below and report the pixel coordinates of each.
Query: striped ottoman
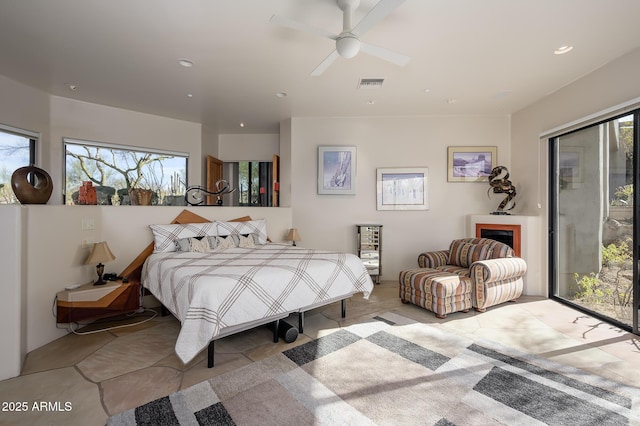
column 436, row 291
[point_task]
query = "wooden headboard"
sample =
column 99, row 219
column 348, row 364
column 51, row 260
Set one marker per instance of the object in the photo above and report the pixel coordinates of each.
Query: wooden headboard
column 134, row 271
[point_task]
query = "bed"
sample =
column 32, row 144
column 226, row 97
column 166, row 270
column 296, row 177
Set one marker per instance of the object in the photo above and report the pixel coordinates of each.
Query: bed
column 218, row 290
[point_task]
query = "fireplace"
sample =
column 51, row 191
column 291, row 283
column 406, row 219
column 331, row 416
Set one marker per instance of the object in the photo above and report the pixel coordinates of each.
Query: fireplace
column 507, row 234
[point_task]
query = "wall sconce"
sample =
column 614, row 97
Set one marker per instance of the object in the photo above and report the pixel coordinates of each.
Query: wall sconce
column 293, row 235
column 100, row 253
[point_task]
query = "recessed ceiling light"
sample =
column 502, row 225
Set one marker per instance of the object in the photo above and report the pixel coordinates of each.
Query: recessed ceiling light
column 563, row 49
column 72, row 87
column 189, row 95
column 187, row 63
column 371, row 102
column 281, row 94
column 452, row 101
column 427, row 90
column 241, row 124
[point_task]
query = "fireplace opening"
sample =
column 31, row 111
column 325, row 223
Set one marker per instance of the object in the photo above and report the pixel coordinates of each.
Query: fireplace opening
column 498, row 235
column 507, row 234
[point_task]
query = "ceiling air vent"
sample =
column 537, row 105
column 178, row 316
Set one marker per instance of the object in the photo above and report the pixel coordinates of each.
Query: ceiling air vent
column 370, row 83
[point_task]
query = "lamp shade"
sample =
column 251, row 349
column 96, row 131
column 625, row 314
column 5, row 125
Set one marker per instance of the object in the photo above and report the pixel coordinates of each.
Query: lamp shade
column 293, row 235
column 100, row 253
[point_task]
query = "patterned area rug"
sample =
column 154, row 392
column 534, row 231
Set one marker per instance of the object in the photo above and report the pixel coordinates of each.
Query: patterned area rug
column 393, row 371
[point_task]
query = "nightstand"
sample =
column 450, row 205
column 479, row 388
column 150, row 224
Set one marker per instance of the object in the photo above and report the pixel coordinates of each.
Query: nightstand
column 90, row 302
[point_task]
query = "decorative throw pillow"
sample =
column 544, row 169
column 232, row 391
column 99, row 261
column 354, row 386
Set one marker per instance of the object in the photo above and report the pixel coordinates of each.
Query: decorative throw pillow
column 463, row 254
column 195, row 244
column 246, row 241
column 225, row 242
column 199, row 245
column 258, row 227
column 165, row 236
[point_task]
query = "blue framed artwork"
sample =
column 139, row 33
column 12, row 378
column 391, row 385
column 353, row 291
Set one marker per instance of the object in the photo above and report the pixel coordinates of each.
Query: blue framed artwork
column 337, row 170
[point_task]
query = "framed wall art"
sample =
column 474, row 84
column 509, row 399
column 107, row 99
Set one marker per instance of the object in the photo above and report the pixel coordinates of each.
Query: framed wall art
column 402, row 189
column 337, row 170
column 470, row 163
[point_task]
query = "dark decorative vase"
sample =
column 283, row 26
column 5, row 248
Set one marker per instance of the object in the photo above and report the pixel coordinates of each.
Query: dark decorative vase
column 37, row 193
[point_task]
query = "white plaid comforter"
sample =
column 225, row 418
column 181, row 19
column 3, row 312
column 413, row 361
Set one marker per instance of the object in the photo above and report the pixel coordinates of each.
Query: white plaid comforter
column 209, row 292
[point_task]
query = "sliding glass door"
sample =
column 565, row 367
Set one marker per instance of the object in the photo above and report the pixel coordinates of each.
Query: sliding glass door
column 593, row 220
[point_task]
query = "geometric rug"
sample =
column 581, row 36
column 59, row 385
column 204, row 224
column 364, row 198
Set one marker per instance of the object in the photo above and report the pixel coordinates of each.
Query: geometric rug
column 392, row 370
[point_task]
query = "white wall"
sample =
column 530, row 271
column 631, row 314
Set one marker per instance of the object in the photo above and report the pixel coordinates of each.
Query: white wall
column 93, row 122
column 248, row 147
column 26, row 108
column 285, row 162
column 328, row 221
column 13, row 314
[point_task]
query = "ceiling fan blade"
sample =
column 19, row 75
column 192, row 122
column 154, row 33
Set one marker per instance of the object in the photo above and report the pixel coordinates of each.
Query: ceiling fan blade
column 375, row 15
column 309, row 29
column 386, row 54
column 325, row 64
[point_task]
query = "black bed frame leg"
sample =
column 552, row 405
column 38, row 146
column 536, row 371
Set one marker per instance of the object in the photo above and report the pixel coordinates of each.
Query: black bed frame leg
column 210, row 355
column 276, row 325
column 301, row 322
column 343, row 302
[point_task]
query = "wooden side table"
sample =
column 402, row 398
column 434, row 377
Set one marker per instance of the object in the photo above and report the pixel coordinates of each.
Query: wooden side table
column 91, row 302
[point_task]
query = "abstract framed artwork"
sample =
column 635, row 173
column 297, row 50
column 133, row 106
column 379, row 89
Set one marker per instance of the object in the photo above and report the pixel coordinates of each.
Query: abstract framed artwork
column 402, row 188
column 337, row 170
column 470, row 163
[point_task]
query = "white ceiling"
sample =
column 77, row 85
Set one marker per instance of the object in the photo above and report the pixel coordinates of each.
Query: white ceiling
column 490, row 56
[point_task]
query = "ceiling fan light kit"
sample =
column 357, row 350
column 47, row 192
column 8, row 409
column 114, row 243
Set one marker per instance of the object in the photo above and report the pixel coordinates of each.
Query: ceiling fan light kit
column 348, row 43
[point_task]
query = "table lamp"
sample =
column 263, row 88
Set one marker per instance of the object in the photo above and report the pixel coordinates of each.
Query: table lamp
column 293, row 235
column 100, row 253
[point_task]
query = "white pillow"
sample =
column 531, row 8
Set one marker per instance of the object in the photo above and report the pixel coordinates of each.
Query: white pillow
column 165, row 236
column 257, row 227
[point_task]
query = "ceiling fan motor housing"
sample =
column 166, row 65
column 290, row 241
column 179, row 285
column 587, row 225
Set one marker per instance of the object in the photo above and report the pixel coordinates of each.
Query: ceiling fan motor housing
column 347, row 45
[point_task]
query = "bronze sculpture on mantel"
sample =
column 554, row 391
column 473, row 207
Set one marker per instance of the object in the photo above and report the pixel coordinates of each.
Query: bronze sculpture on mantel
column 500, row 184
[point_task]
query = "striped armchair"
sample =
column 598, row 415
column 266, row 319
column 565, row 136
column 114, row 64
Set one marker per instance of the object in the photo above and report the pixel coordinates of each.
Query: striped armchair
column 495, row 273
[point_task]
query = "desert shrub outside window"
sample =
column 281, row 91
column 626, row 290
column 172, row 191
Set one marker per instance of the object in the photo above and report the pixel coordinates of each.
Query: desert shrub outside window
column 120, row 172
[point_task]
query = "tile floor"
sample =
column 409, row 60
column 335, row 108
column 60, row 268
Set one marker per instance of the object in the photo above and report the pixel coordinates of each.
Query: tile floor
column 84, row 379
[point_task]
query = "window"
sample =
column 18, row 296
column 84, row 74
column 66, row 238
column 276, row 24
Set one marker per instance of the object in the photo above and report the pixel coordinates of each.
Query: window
column 116, row 169
column 253, row 180
column 17, row 149
column 593, row 221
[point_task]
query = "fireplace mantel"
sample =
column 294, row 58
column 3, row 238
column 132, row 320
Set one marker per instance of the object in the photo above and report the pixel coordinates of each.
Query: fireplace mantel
column 530, row 245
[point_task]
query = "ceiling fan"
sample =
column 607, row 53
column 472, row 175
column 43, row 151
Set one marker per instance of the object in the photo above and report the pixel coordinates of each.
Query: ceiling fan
column 348, row 42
